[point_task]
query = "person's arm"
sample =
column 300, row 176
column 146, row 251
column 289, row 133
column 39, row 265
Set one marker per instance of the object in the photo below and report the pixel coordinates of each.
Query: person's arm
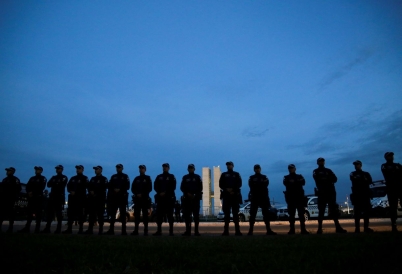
column 156, row 184
column 182, row 186
column 302, row 181
column 332, row 176
column 126, row 185
column 134, row 187
column 149, row 185
column 266, row 182
column 43, row 184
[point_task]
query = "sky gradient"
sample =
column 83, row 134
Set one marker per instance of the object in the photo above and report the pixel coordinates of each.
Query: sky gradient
column 202, row 82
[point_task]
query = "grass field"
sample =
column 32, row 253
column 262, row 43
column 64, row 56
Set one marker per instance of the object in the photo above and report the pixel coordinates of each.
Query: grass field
column 331, row 253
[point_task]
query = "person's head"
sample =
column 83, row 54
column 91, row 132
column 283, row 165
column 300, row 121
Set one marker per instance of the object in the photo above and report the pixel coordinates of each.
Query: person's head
column 119, row 168
column 358, row 165
column 321, row 162
column 191, row 168
column 59, row 169
column 292, row 168
column 257, row 169
column 142, row 169
column 229, row 165
column 10, row 171
column 38, row 170
column 79, row 169
column 98, row 170
column 165, row 167
column 389, row 156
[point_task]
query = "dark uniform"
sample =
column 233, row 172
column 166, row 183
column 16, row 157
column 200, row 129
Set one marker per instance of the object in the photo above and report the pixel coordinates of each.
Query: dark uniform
column 165, row 183
column 77, row 187
column 96, row 200
column 141, row 187
column 119, row 199
column 294, row 196
column 361, row 196
column 57, row 185
column 325, row 181
column 36, row 185
column 10, row 189
column 393, row 180
column 191, row 186
column 259, row 197
column 231, row 199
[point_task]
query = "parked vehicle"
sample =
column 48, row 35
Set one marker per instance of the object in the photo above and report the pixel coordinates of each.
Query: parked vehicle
column 130, row 213
column 244, row 214
column 311, row 210
column 379, row 200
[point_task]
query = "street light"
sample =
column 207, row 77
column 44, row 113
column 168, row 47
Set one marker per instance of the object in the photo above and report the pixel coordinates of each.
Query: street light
column 347, row 203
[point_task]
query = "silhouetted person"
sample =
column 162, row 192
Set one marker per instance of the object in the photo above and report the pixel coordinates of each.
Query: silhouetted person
column 361, row 196
column 393, row 180
column 10, row 189
column 118, row 198
column 44, row 205
column 96, row 200
column 294, row 196
column 165, row 186
column 230, row 182
column 34, row 188
column 191, row 186
column 259, row 197
column 57, row 185
column 325, row 181
column 77, row 189
column 141, row 187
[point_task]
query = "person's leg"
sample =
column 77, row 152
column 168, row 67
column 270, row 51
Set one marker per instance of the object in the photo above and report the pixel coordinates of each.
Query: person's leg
column 170, row 209
column 226, row 212
column 122, row 208
column 253, row 213
column 145, row 206
column 235, row 213
column 196, row 215
column 292, row 213
column 334, row 211
column 265, row 205
column 322, row 203
column 300, row 212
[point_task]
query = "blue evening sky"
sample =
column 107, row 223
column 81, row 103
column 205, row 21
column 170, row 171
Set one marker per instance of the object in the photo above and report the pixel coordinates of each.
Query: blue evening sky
column 203, row 82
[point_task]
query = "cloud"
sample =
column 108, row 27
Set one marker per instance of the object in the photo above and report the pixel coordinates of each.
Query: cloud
column 342, row 71
column 386, row 137
column 253, row 132
column 366, row 138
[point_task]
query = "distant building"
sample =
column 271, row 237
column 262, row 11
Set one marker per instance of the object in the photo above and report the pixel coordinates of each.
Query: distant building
column 211, row 202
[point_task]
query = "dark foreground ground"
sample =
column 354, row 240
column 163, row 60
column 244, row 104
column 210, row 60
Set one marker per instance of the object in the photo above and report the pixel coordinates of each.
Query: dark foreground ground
column 328, row 253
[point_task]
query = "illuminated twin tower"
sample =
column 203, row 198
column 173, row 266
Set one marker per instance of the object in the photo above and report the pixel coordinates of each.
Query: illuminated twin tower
column 211, row 203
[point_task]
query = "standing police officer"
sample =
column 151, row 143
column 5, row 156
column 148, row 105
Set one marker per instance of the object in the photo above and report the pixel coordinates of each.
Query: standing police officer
column 325, row 179
column 191, row 186
column 57, row 185
column 230, row 183
column 259, row 197
column 361, row 196
column 118, row 198
column 10, row 189
column 77, row 187
column 393, row 180
column 96, row 199
column 34, row 188
column 165, row 186
column 294, row 196
column 141, row 187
